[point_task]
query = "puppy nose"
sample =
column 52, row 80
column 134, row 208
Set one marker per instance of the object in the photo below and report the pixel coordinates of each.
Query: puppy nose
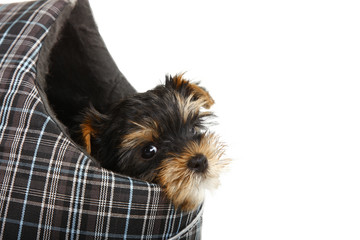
column 198, row 163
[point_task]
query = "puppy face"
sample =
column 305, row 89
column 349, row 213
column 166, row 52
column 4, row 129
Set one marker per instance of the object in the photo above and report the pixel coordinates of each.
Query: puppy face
column 160, row 136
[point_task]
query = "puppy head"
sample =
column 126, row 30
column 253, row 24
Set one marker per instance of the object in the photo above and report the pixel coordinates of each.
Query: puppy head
column 160, row 136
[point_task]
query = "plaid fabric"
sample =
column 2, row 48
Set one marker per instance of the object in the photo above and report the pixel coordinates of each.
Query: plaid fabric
column 49, row 189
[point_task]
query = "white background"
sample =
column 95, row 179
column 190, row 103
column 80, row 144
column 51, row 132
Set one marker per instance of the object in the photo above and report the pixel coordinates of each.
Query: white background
column 285, row 76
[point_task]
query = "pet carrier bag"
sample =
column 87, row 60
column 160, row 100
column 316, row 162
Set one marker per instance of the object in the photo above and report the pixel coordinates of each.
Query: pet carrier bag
column 50, row 187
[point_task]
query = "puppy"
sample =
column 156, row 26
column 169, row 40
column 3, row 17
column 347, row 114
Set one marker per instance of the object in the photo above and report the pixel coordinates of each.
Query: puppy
column 160, row 136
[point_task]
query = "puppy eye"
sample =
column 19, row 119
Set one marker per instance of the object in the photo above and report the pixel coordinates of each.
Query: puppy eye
column 149, row 151
column 193, row 130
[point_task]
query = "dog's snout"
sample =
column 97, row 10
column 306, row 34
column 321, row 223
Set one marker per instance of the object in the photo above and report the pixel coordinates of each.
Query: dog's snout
column 198, row 163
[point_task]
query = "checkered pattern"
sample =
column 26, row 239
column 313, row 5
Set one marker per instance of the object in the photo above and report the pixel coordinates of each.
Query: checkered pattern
column 49, row 189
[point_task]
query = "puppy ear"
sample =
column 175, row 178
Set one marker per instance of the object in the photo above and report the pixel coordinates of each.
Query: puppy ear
column 90, row 126
column 188, row 89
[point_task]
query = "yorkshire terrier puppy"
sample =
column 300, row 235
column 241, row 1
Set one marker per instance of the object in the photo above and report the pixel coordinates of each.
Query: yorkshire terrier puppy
column 160, row 136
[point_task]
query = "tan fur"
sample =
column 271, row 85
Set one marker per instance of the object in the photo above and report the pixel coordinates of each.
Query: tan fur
column 145, row 132
column 185, row 187
column 203, row 95
column 87, row 132
column 188, row 106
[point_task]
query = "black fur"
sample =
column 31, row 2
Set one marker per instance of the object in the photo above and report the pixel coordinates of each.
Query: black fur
column 159, row 105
